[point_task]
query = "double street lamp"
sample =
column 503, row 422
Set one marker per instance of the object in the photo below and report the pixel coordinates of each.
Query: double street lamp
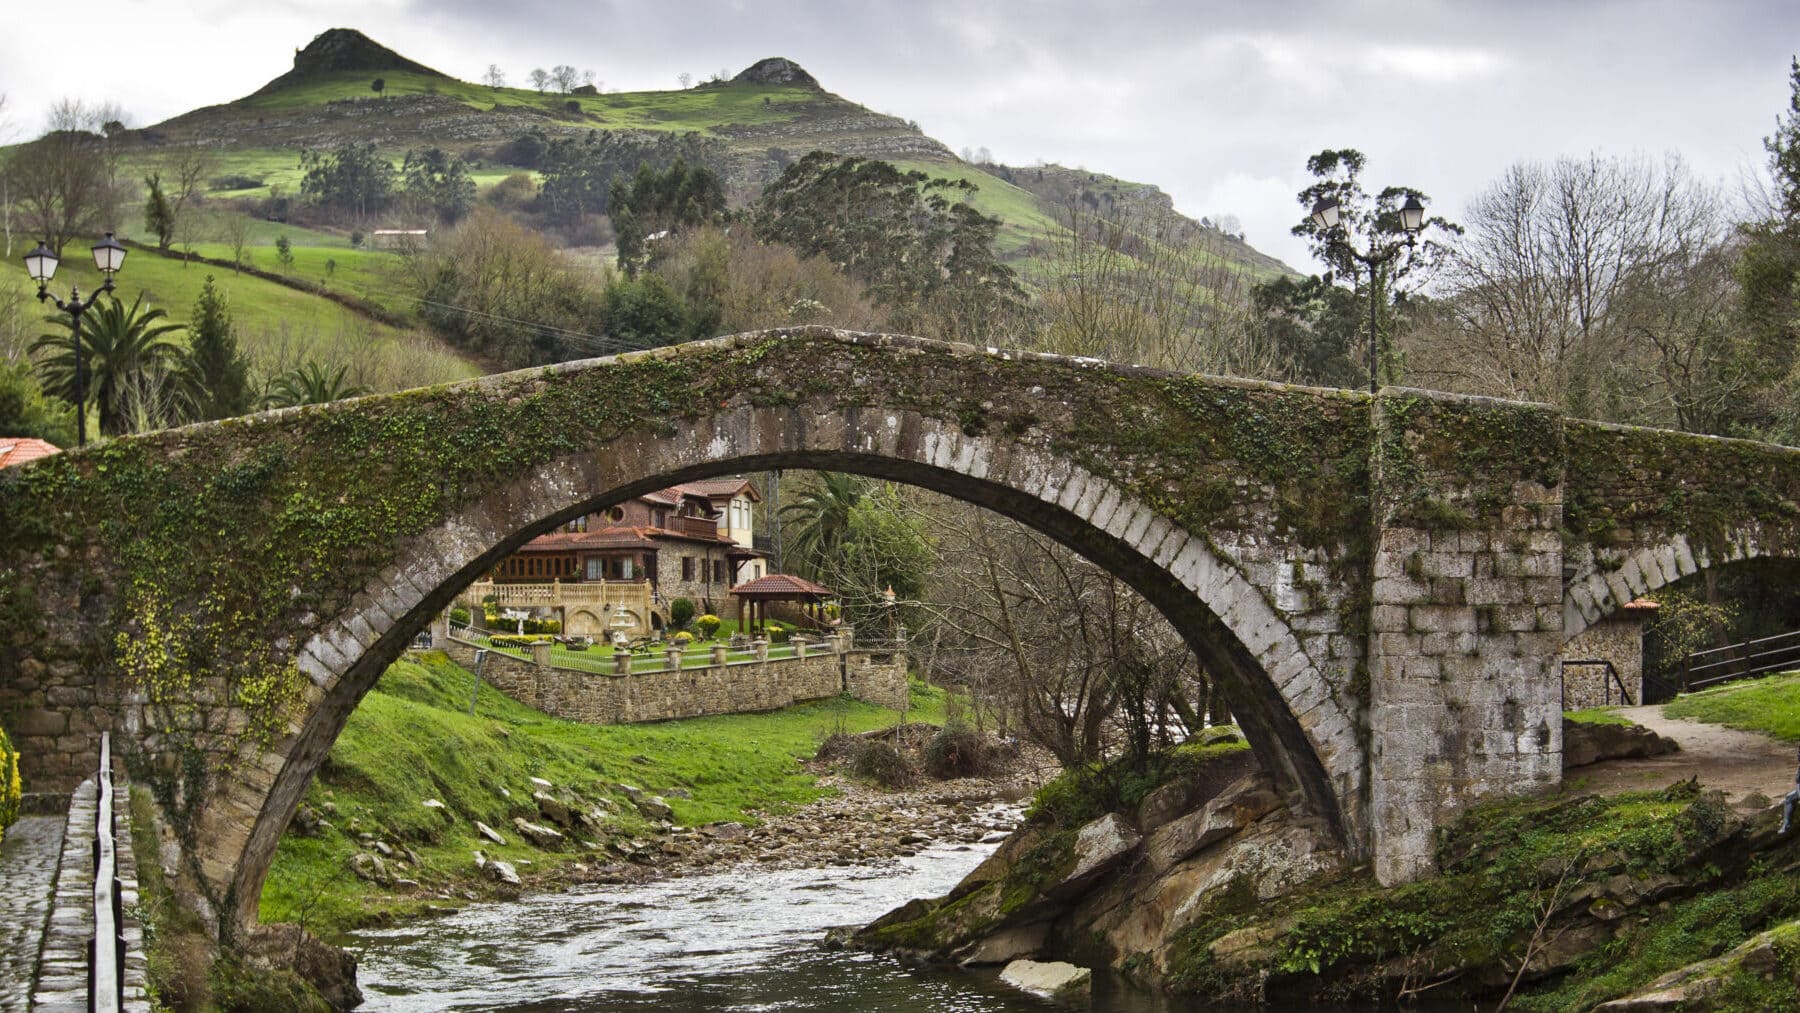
column 1327, row 214
column 41, row 263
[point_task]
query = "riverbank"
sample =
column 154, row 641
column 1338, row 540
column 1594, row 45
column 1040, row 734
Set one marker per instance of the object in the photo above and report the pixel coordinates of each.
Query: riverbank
column 423, row 808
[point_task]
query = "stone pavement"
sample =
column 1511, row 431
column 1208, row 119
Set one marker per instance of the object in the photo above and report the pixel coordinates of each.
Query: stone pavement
column 28, row 859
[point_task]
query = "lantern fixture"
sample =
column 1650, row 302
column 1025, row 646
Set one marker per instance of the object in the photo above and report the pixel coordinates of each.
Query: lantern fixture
column 1327, row 212
column 109, row 256
column 1412, row 214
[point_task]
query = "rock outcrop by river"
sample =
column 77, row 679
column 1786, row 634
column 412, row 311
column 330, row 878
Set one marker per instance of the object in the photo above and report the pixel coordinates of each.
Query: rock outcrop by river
column 1213, row 886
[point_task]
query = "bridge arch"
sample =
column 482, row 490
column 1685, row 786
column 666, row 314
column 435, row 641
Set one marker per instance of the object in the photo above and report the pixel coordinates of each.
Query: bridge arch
column 1300, row 724
column 1605, row 581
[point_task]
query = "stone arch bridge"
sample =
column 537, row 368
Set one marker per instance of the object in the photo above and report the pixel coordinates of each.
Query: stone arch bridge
column 1383, row 581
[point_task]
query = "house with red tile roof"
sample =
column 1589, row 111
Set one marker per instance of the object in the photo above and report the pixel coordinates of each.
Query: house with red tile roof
column 17, row 450
column 620, row 568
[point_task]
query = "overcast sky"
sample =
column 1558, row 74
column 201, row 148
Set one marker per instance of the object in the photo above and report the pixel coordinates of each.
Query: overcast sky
column 1217, row 103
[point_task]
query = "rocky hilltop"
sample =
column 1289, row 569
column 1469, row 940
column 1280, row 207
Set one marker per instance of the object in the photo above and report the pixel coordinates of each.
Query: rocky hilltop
column 345, row 50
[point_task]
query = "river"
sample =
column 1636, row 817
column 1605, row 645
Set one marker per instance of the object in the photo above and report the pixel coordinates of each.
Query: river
column 743, row 940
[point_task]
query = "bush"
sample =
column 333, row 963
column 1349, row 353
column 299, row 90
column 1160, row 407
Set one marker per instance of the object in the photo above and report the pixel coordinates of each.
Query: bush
column 234, row 182
column 460, row 616
column 9, row 784
column 880, row 762
column 681, row 612
column 708, row 624
column 957, row 751
column 683, row 638
column 239, row 989
column 779, row 634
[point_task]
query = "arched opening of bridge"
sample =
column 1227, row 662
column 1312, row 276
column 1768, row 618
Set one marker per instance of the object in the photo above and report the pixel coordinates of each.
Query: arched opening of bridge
column 1221, row 616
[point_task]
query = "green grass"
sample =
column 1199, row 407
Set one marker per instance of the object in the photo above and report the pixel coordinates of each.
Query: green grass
column 1595, row 716
column 697, row 109
column 412, row 738
column 1770, row 706
column 1690, row 931
column 277, row 326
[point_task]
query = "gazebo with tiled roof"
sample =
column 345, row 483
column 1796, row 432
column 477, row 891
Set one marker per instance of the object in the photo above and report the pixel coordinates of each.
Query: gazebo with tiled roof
column 754, row 596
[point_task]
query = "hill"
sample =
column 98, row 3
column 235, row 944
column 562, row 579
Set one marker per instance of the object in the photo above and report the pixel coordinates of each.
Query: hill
column 748, row 128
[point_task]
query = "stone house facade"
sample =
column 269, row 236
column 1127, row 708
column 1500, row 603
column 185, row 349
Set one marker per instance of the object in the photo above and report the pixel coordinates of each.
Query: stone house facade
column 689, row 541
column 1618, row 639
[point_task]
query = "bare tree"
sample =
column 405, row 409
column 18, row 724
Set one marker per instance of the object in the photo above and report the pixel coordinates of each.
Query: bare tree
column 565, row 77
column 495, row 77
column 685, row 78
column 1591, row 283
column 64, row 183
column 540, row 78
column 1151, row 290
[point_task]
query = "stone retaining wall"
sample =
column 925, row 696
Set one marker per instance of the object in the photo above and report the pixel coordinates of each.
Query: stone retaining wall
column 732, row 688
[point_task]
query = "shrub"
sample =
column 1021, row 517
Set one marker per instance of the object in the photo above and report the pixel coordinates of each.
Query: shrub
column 234, row 182
column 880, row 762
column 779, row 634
column 957, row 751
column 708, row 624
column 681, row 612
column 9, row 784
column 683, row 638
column 239, row 989
column 460, row 616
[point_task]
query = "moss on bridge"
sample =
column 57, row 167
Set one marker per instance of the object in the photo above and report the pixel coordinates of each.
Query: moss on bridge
column 1631, row 486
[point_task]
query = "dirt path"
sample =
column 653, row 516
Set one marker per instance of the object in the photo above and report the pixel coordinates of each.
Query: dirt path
column 1734, row 762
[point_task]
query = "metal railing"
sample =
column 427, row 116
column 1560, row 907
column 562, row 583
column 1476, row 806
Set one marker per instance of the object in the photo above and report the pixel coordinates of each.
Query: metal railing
column 600, row 659
column 1611, row 679
column 106, row 951
column 1711, row 667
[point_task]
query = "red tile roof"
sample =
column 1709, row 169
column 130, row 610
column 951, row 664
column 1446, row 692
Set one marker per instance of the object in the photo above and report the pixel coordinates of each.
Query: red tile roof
column 782, row 584
column 720, row 488
column 16, row 450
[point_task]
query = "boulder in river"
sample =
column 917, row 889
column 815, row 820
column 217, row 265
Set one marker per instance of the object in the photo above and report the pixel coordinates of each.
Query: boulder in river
column 1052, row 980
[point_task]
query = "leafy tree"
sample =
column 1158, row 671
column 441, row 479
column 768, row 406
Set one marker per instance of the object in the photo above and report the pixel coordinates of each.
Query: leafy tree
column 816, row 524
column 662, row 203
column 284, row 251
column 353, row 178
column 1768, row 273
column 578, row 171
column 1312, row 326
column 644, row 311
column 378, row 85
column 26, row 411
column 127, row 352
column 310, row 383
column 1368, row 224
column 440, row 181
column 217, row 375
column 914, row 240
column 159, row 216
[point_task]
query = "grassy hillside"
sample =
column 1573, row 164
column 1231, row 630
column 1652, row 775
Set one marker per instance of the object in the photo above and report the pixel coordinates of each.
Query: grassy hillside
column 278, row 327
column 413, row 739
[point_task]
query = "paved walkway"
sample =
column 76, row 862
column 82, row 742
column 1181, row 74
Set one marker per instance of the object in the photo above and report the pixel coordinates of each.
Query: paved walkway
column 1729, row 760
column 27, row 877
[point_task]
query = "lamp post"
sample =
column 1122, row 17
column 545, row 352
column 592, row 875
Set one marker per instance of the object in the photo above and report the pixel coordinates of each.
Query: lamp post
column 1327, row 214
column 41, row 263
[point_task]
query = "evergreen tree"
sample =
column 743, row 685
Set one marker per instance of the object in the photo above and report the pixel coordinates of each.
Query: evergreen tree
column 661, row 203
column 217, row 375
column 1769, row 276
column 159, row 216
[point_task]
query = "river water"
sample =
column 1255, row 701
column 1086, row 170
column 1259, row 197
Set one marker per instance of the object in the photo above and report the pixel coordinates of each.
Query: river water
column 743, row 940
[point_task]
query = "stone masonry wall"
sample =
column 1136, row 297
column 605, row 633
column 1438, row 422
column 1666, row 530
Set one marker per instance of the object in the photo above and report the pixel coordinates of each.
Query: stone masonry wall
column 1467, row 615
column 1618, row 638
column 732, row 688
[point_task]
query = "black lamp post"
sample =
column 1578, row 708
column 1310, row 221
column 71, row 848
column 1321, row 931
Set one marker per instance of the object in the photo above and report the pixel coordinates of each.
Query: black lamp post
column 41, row 263
column 1327, row 214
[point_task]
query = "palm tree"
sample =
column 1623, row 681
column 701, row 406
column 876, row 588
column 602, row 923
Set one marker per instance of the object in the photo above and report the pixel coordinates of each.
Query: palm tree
column 128, row 352
column 311, row 383
column 817, row 523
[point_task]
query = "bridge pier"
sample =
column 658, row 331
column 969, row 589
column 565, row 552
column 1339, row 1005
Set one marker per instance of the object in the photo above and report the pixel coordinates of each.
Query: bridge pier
column 1466, row 615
